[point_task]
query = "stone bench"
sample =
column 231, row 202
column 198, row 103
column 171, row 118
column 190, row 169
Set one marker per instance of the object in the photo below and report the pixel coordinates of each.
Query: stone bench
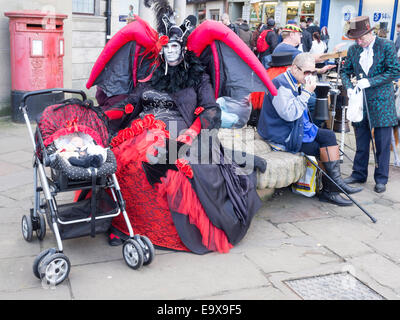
column 283, row 168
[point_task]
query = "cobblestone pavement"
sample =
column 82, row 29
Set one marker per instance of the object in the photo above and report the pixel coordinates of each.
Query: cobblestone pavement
column 291, row 237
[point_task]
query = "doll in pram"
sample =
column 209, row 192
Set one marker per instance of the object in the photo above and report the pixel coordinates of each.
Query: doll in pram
column 72, row 140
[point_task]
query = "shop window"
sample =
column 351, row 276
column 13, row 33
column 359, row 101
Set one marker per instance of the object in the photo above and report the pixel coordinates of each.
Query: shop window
column 260, row 12
column 307, row 10
column 83, row 6
column 214, row 14
column 255, row 14
column 292, row 11
column 269, row 11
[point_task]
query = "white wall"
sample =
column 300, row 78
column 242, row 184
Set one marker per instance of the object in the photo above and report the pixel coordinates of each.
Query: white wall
column 336, row 21
column 121, row 7
column 191, row 9
column 379, row 11
column 88, row 39
column 214, row 5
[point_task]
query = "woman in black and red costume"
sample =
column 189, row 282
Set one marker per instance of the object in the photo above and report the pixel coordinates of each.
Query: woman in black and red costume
column 172, row 195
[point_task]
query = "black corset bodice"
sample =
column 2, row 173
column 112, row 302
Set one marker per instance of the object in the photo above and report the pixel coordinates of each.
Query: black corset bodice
column 152, row 99
column 161, row 105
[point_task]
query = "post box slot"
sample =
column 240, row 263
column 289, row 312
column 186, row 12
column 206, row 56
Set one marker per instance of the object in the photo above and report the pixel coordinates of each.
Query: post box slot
column 34, row 26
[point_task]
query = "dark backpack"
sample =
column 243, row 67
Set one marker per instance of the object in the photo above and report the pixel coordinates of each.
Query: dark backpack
column 262, row 44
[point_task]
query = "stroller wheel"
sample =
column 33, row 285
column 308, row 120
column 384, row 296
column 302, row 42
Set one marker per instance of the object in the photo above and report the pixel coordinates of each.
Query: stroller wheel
column 41, row 231
column 148, row 250
column 39, row 259
column 133, row 254
column 27, row 229
column 54, row 268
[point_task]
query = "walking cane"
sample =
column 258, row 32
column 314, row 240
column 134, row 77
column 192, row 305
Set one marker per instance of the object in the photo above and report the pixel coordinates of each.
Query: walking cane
column 340, row 188
column 370, row 128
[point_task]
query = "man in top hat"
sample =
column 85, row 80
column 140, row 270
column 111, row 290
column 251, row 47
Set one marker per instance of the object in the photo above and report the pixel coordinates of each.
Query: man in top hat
column 372, row 60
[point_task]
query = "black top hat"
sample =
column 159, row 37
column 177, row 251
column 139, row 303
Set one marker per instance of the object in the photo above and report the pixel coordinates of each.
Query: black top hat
column 358, row 27
column 281, row 59
column 383, row 25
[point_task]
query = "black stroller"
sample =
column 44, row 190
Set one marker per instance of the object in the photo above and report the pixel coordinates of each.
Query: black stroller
column 88, row 215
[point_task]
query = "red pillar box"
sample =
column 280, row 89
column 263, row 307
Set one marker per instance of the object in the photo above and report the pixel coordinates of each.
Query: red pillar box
column 37, row 51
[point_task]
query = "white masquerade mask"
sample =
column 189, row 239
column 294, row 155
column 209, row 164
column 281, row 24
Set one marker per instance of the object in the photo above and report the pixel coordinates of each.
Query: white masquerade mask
column 172, row 53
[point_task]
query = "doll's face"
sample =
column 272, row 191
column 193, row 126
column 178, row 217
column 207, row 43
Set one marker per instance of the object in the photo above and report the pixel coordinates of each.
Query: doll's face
column 172, row 53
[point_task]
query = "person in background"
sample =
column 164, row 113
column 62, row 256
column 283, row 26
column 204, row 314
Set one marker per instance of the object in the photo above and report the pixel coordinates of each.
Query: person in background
column 291, row 35
column 278, row 31
column 244, row 31
column 285, row 123
column 226, row 21
column 306, row 39
column 271, row 39
column 325, row 36
column 254, row 38
column 131, row 15
column 291, row 39
column 312, row 26
column 318, row 47
column 383, row 31
column 374, row 64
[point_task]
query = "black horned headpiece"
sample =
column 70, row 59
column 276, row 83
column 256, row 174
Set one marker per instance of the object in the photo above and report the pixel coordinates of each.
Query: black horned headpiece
column 166, row 24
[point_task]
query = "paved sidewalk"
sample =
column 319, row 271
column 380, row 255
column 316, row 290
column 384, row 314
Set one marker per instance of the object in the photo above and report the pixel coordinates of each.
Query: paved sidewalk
column 291, row 237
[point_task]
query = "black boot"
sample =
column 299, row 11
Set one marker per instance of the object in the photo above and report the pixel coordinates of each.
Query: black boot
column 332, row 168
column 328, row 194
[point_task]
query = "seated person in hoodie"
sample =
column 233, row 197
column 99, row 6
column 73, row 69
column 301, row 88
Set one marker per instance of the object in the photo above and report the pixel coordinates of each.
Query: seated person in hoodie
column 285, row 123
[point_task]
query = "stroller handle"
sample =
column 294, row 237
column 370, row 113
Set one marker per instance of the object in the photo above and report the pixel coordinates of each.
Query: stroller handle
column 38, row 92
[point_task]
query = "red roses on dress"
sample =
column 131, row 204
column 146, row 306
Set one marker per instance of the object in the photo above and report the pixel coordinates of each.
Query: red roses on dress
column 129, row 108
column 184, row 167
column 137, row 127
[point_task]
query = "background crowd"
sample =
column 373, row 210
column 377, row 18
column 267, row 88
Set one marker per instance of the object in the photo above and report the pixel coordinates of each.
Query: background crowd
column 372, row 65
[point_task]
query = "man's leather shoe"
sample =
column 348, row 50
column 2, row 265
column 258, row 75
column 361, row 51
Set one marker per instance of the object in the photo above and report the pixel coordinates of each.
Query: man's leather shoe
column 379, row 188
column 351, row 179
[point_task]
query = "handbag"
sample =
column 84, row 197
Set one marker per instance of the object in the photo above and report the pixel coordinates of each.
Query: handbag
column 234, row 113
column 306, row 185
column 355, row 107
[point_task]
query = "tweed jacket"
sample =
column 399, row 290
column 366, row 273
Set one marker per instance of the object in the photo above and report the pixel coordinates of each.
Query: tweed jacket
column 384, row 70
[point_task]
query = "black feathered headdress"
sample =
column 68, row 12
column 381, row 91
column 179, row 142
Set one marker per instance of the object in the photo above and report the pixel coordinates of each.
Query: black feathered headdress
column 166, row 24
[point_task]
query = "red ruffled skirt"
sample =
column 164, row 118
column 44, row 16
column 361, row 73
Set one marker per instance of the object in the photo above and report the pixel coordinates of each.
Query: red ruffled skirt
column 149, row 207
